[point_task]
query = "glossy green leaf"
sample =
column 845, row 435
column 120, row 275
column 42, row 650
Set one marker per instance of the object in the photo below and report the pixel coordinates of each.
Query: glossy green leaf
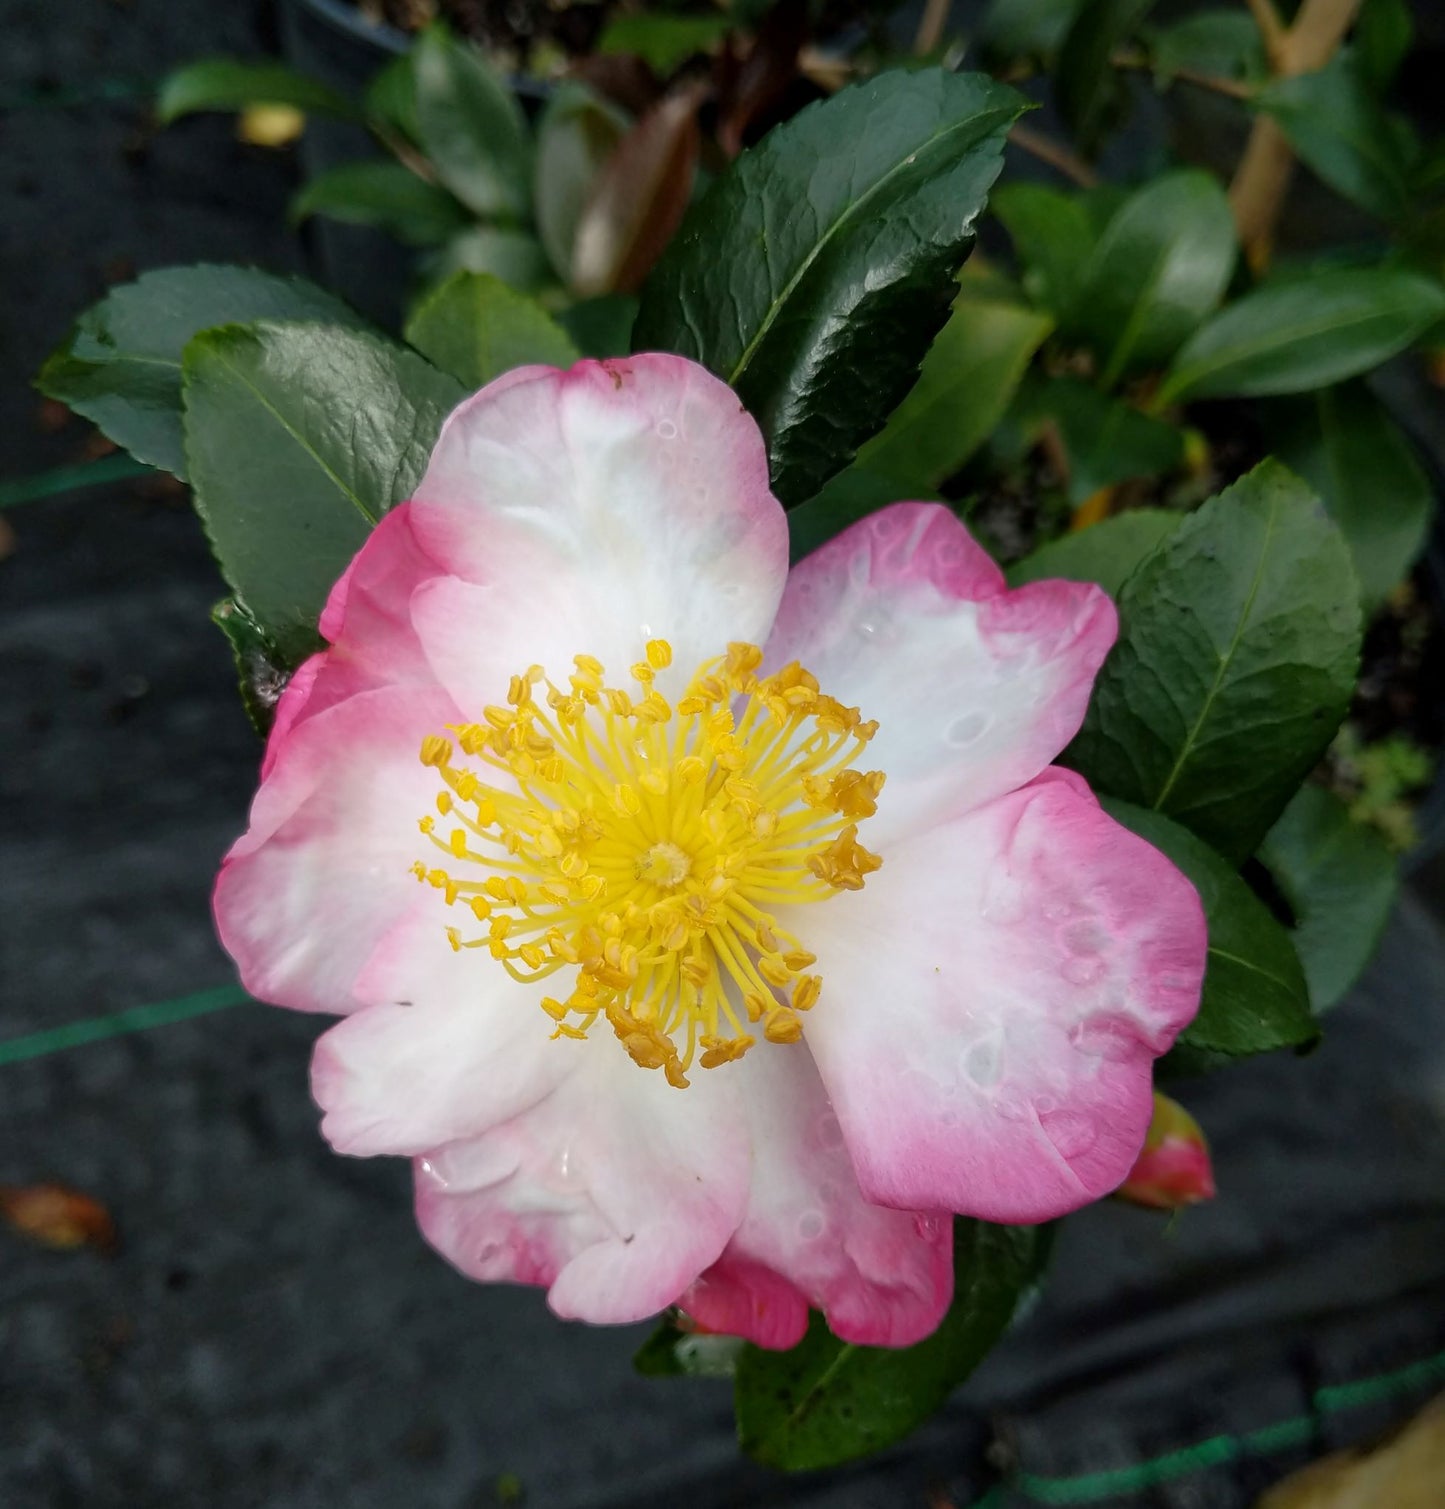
column 298, row 438
column 1107, row 553
column 1382, row 37
column 229, row 84
column 382, row 193
column 1160, row 268
column 1336, row 126
column 828, row 1401
column 1254, row 998
column 663, row 40
column 967, row 381
column 1305, row 332
column 1344, row 444
column 576, row 136
column 1053, row 234
column 476, row 327
column 472, row 128
column 1220, row 43
column 120, row 367
column 1105, row 440
column 1340, row 880
column 852, row 495
column 1089, row 90
column 1239, row 641
column 815, row 273
column 1027, row 28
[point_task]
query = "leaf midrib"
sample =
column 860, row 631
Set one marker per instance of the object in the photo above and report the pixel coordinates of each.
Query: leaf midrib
column 295, row 434
column 1223, row 668
column 1183, row 379
column 910, row 160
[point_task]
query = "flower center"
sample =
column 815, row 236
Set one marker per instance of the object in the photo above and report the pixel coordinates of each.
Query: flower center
column 648, row 847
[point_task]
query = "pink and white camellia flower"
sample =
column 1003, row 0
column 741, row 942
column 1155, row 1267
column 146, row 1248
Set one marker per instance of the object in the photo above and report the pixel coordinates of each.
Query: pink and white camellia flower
column 581, row 825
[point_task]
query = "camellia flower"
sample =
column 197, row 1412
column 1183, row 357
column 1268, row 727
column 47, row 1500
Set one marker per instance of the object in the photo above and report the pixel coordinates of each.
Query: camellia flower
column 581, row 821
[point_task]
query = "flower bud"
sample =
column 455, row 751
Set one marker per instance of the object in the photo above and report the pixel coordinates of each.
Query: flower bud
column 1174, row 1169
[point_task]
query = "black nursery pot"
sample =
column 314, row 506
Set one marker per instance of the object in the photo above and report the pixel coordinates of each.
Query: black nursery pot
column 332, row 41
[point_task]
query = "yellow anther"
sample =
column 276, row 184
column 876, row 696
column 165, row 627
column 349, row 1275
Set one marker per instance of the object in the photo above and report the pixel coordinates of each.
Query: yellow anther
column 647, row 848
column 782, row 1026
column 773, row 970
column 436, row 751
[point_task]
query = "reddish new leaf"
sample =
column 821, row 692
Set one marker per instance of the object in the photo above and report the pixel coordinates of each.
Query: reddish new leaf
column 57, row 1216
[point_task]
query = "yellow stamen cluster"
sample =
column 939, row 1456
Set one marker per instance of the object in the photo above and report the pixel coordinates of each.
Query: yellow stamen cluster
column 647, row 846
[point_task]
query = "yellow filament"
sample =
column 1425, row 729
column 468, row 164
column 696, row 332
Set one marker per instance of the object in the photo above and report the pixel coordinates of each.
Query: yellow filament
column 646, row 848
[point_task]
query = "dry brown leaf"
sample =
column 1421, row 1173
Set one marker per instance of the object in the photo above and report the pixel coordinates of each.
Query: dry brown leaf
column 1407, row 1472
column 57, row 1216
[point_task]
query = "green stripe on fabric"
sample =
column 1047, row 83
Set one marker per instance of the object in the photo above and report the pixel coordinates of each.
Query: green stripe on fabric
column 120, row 1023
column 66, row 479
column 1217, row 1451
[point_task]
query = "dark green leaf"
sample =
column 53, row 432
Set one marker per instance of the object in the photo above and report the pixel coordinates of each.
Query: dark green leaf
column 815, row 273
column 1106, row 553
column 967, row 381
column 390, row 103
column 1341, row 441
column 1239, row 641
column 578, row 133
column 261, row 675
column 298, row 439
column 472, row 128
column 672, row 1351
column 852, row 495
column 1221, row 43
column 1160, row 267
column 121, row 365
column 476, row 327
column 1089, row 92
column 1053, row 234
column 1105, row 440
column 1336, row 125
column 229, row 84
column 603, row 326
column 1027, row 28
column 662, row 41
column 1254, row 997
column 1305, row 332
column 828, row 1401
column 1340, row 880
column 1383, row 34
column 382, row 193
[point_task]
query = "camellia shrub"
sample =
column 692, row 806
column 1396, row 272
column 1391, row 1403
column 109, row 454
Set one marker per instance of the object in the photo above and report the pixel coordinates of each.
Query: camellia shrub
column 748, row 899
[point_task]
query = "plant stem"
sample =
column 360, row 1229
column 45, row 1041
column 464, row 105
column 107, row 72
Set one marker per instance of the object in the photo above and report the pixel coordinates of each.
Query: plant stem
column 930, row 27
column 1056, row 154
column 1138, row 62
column 1257, row 194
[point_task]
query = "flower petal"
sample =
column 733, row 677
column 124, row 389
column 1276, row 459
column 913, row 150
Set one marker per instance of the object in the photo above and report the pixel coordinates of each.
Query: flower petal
column 882, row 1277
column 367, row 620
column 618, row 502
column 447, row 1046
column 322, row 873
column 993, row 1003
column 615, row 1191
column 975, row 688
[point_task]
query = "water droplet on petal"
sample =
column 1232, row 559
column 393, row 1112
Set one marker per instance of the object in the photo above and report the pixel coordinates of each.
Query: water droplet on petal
column 667, row 429
column 965, row 729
